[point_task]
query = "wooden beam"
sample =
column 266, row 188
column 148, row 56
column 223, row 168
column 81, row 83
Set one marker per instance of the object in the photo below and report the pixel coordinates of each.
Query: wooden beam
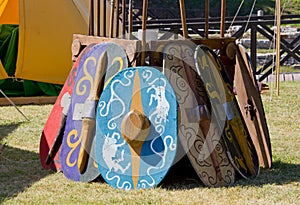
column 29, row 100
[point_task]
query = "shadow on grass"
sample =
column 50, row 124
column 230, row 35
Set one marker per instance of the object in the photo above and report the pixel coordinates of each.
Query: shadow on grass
column 19, row 169
column 5, row 130
column 281, row 173
column 183, row 177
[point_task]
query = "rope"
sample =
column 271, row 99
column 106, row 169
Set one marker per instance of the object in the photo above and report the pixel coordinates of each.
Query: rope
column 283, row 6
column 251, row 12
column 236, row 13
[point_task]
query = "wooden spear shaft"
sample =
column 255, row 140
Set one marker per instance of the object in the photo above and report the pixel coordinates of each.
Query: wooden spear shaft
column 117, row 18
column 223, row 14
column 206, row 18
column 144, row 16
column 112, row 18
column 91, row 18
column 183, row 19
column 123, row 17
column 103, row 19
column 130, row 18
column 98, row 17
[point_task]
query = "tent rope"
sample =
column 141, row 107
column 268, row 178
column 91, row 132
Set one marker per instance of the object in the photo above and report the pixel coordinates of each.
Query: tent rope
column 236, row 13
column 250, row 14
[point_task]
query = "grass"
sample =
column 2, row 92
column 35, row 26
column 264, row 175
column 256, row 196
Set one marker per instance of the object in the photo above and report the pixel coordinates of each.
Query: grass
column 23, row 181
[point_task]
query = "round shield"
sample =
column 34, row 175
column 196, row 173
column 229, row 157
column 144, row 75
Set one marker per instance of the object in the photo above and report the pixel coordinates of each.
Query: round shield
column 251, row 106
column 198, row 131
column 136, row 129
column 225, row 107
column 53, row 131
column 78, row 153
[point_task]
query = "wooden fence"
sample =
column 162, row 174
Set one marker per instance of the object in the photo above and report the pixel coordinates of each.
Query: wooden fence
column 255, row 24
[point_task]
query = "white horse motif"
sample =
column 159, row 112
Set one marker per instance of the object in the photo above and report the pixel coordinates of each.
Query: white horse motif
column 109, row 152
column 162, row 108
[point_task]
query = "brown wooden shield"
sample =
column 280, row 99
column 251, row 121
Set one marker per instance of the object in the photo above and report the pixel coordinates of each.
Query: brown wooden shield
column 251, row 106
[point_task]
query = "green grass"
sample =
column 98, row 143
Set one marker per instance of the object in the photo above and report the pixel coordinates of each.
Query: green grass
column 23, row 181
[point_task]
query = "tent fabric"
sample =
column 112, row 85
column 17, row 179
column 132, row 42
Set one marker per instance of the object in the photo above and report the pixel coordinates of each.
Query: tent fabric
column 9, row 47
column 45, row 39
column 8, row 55
column 8, row 50
column 35, row 44
column 3, row 74
column 26, row 88
column 9, row 11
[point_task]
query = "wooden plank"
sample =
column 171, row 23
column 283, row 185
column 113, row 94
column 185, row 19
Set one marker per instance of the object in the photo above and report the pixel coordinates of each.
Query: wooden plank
column 37, row 100
column 132, row 47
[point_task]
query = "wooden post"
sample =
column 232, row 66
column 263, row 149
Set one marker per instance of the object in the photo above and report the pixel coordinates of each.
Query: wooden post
column 91, row 19
column 117, row 18
column 254, row 46
column 183, row 19
column 123, row 18
column 223, row 14
column 144, row 19
column 112, row 18
column 206, row 18
column 278, row 30
column 98, row 17
column 130, row 18
column 103, row 19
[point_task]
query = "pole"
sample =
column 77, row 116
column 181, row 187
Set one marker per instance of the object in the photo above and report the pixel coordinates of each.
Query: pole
column 123, row 18
column 278, row 24
column 223, row 14
column 91, row 19
column 11, row 102
column 130, row 5
column 98, row 17
column 144, row 16
column 117, row 18
column 206, row 18
column 112, row 18
column 183, row 19
column 103, row 18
